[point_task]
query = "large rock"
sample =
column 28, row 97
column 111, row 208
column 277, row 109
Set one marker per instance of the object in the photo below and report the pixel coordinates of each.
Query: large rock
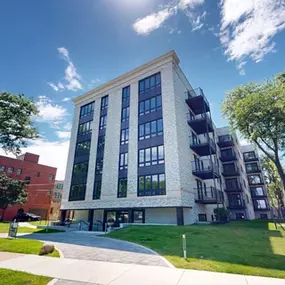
column 46, row 249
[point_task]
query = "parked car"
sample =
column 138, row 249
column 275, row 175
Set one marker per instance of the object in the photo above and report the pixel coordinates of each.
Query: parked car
column 27, row 217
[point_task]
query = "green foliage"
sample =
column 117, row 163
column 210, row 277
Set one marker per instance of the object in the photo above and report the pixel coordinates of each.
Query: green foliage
column 16, row 126
column 12, row 192
column 222, row 214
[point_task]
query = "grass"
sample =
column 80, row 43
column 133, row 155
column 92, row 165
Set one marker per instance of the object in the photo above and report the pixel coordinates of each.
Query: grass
column 26, row 246
column 4, row 228
column 11, row 277
column 246, row 247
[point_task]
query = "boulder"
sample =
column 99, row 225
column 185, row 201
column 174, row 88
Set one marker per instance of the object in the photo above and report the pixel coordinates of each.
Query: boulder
column 46, row 249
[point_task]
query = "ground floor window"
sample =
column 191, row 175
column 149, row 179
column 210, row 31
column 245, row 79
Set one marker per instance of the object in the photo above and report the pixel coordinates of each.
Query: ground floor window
column 138, row 216
column 240, row 216
column 202, row 217
column 263, row 216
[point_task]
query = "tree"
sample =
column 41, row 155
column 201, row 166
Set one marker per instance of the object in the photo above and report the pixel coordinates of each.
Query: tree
column 12, row 192
column 16, row 126
column 257, row 111
column 274, row 184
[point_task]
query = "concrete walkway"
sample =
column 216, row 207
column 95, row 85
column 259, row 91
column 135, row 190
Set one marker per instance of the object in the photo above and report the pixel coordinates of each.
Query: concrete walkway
column 74, row 271
column 89, row 246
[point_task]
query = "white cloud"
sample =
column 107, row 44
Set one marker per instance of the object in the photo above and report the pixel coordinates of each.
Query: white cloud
column 49, row 112
column 248, row 26
column 67, row 126
column 66, row 99
column 51, row 153
column 72, row 80
column 149, row 23
column 63, row 135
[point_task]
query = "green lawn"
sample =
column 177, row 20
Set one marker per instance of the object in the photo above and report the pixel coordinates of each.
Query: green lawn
column 11, row 277
column 27, row 246
column 4, row 228
column 250, row 247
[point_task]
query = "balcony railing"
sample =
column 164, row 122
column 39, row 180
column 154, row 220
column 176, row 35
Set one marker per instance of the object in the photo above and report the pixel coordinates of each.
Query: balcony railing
column 235, row 206
column 228, row 157
column 200, row 123
column 203, row 146
column 231, row 171
column 233, row 187
column 208, row 195
column 197, row 101
column 205, row 169
column 225, row 141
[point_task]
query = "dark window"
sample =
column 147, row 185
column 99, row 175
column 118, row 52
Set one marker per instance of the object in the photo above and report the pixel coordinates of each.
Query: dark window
column 51, row 177
column 260, row 204
column 27, row 180
column 124, row 136
column 51, row 210
column 149, row 83
column 225, row 138
column 2, row 168
column 38, row 174
column 84, row 128
column 151, row 156
column 123, row 161
column 249, row 155
column 122, row 188
column 240, row 216
column 150, row 105
column 138, row 216
column 19, row 171
column 263, row 216
column 103, row 122
column 77, row 192
column 150, row 129
column 252, row 167
column 202, row 217
column 257, row 191
column 10, row 169
column 80, row 168
column 83, row 147
column 97, row 190
column 227, row 153
column 101, row 141
column 229, row 167
column 99, row 166
column 126, row 94
column 254, row 179
column 232, row 184
column 125, row 114
column 235, row 200
column 151, row 185
column 104, row 102
column 87, row 110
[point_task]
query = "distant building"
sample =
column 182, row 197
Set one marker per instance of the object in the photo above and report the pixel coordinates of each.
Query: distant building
column 39, row 183
column 56, row 200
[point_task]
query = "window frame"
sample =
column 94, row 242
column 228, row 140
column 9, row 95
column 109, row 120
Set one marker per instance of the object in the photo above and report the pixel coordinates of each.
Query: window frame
column 104, row 102
column 10, row 169
column 125, row 114
column 150, row 82
column 145, row 156
column 151, row 191
column 146, row 105
column 88, row 130
column 124, row 138
column 77, row 197
column 122, row 185
column 86, row 110
column 145, row 130
column 97, row 190
column 103, row 122
column 126, row 91
column 123, row 161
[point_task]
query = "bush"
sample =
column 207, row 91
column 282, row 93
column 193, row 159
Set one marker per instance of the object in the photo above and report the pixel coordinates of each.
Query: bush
column 222, row 214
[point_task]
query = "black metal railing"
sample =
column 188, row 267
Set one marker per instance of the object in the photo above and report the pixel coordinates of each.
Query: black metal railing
column 204, row 165
column 202, row 141
column 208, row 195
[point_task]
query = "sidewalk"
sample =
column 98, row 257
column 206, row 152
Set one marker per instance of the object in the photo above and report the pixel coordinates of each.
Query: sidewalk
column 104, row 273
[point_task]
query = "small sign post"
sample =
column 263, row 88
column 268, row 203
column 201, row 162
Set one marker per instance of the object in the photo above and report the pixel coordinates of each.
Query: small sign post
column 184, row 246
column 13, row 229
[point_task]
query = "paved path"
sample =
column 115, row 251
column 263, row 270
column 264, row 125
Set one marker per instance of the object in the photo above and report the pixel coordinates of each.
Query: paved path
column 89, row 246
column 103, row 273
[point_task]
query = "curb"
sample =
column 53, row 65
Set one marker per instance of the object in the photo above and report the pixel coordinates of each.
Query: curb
column 61, row 255
column 52, row 282
column 151, row 250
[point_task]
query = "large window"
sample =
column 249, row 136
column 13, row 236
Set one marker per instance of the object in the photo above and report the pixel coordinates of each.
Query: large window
column 104, row 102
column 227, row 153
column 101, row 141
column 122, row 187
column 84, row 128
column 252, row 167
column 2, row 168
column 151, row 156
column 97, row 190
column 83, row 147
column 99, row 166
column 229, row 167
column 103, row 122
column 149, row 83
column 232, row 184
column 10, row 169
column 125, row 114
column 235, row 200
column 202, row 217
column 257, row 191
column 124, row 136
column 87, row 110
column 254, row 179
column 260, row 204
column 126, row 94
column 150, row 105
column 151, row 185
column 225, row 138
column 77, row 192
column 80, row 168
column 123, row 161
column 150, row 129
column 249, row 155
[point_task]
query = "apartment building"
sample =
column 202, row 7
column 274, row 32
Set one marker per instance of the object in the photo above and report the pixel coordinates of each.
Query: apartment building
column 143, row 150
column 56, row 200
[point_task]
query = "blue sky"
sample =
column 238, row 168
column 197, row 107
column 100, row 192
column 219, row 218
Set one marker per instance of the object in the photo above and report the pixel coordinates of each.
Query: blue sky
column 58, row 49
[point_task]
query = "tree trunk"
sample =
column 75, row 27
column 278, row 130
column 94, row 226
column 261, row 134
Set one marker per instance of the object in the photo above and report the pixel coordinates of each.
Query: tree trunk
column 280, row 171
column 3, row 213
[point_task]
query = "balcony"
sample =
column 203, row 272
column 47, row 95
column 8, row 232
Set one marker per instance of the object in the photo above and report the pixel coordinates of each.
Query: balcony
column 225, row 141
column 228, row 157
column 235, row 207
column 201, row 123
column 203, row 146
column 205, row 169
column 197, row 101
column 210, row 195
column 233, row 187
column 234, row 171
column 250, row 158
column 253, row 170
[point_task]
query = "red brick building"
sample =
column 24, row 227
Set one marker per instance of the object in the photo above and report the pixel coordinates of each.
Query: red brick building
column 40, row 181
